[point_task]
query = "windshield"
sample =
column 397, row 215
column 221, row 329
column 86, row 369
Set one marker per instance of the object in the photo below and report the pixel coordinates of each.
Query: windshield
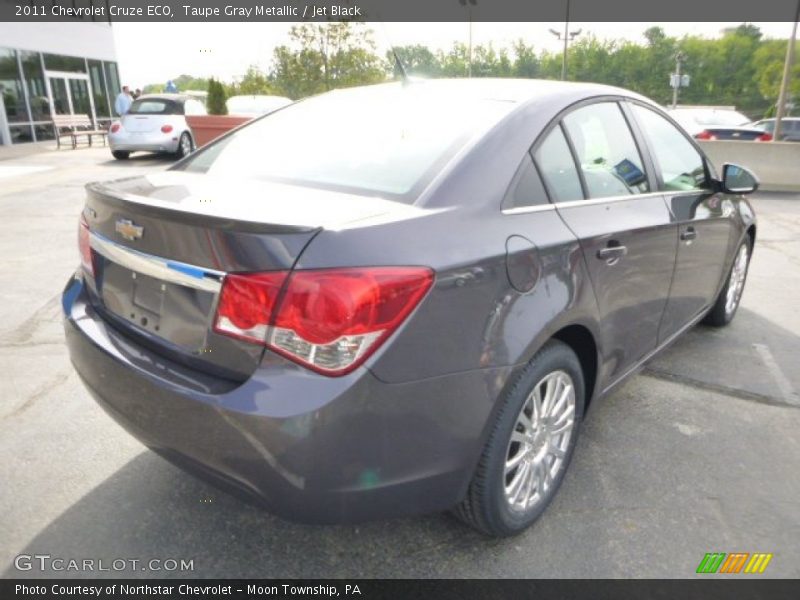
column 154, row 106
column 389, row 140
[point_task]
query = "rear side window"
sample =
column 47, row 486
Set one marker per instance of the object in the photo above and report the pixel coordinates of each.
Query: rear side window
column 680, row 164
column 526, row 188
column 557, row 168
column 607, row 153
column 154, row 106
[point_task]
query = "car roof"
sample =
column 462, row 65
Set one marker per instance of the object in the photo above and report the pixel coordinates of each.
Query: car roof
column 179, row 98
column 507, row 90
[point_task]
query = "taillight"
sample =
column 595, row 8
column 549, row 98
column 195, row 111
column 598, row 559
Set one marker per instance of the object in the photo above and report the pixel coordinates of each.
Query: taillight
column 327, row 320
column 115, row 127
column 764, row 137
column 246, row 303
column 166, row 128
column 705, row 135
column 84, row 245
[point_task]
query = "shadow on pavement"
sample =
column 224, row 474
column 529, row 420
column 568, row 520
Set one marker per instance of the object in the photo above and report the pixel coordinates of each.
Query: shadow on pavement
column 139, row 160
column 150, row 509
column 752, row 358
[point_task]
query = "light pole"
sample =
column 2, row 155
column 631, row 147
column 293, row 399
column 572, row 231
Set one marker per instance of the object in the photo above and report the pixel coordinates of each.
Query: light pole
column 679, row 58
column 469, row 4
column 567, row 37
column 787, row 68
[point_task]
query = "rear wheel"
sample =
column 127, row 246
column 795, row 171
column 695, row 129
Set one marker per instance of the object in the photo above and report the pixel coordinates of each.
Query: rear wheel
column 727, row 303
column 530, row 445
column 185, row 145
column 120, row 154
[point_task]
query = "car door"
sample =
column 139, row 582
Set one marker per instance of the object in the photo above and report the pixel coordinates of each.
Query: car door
column 597, row 178
column 704, row 219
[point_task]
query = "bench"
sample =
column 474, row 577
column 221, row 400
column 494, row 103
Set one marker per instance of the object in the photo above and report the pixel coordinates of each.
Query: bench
column 76, row 126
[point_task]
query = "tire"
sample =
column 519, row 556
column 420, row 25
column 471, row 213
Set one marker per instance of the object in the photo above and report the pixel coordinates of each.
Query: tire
column 727, row 304
column 120, row 154
column 489, row 505
column 185, row 145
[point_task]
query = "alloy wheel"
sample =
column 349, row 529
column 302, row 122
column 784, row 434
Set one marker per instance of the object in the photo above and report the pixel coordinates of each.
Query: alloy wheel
column 539, row 441
column 736, row 282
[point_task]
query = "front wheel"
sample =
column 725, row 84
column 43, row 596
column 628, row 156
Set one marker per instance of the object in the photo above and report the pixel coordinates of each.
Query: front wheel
column 185, row 145
column 728, row 300
column 530, row 446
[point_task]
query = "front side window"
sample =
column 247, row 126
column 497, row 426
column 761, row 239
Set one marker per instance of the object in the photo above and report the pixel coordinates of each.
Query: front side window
column 558, row 168
column 606, row 151
column 680, row 164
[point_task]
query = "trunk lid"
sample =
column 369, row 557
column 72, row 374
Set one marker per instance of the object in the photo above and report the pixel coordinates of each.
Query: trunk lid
column 142, row 123
column 163, row 243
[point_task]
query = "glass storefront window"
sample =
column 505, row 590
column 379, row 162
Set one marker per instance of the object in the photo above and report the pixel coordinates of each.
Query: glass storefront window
column 11, row 87
column 58, row 62
column 112, row 79
column 34, row 79
column 20, row 134
column 98, row 80
column 44, row 132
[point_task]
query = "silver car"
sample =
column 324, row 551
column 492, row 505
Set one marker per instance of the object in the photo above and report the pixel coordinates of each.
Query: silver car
column 155, row 123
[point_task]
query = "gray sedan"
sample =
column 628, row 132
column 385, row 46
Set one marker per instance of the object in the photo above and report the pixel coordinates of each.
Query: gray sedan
column 403, row 298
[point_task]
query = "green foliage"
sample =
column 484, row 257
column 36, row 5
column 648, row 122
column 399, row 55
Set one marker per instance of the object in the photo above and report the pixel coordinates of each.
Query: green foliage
column 322, row 57
column 253, row 83
column 740, row 68
column 216, row 98
column 418, row 61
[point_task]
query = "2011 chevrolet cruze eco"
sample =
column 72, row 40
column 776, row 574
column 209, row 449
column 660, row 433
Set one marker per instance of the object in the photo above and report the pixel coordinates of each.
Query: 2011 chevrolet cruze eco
column 402, row 298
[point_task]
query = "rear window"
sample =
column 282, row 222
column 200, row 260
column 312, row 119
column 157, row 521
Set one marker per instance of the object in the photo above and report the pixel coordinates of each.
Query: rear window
column 155, row 106
column 388, row 140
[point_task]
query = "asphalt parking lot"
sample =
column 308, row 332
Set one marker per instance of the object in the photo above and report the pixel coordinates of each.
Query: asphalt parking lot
column 699, row 453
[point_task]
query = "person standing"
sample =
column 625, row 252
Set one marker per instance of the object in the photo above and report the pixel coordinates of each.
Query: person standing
column 137, row 93
column 123, row 102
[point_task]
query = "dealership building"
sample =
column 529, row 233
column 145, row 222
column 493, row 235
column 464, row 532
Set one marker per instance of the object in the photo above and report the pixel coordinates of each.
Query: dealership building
column 49, row 69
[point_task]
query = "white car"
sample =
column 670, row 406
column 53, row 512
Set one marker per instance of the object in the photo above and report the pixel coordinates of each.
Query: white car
column 155, row 123
column 255, row 106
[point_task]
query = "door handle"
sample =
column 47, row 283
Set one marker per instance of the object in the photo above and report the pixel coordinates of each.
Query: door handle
column 612, row 253
column 688, row 234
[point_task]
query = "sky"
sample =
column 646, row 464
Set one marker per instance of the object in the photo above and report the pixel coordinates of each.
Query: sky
column 156, row 52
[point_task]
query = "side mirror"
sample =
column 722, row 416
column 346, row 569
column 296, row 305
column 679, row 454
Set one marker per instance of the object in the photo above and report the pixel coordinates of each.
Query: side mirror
column 738, row 180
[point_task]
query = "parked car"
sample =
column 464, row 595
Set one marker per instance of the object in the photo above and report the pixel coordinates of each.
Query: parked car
column 155, row 123
column 255, row 106
column 409, row 307
column 715, row 123
column 790, row 128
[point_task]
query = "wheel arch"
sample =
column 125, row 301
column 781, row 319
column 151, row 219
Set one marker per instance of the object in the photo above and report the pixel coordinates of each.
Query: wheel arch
column 581, row 341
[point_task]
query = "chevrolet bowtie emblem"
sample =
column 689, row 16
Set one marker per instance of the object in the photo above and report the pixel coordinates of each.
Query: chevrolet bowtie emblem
column 128, row 230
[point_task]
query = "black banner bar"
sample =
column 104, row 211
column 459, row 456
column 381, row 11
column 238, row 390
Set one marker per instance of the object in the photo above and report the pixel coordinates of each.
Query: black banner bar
column 396, row 10
column 734, row 588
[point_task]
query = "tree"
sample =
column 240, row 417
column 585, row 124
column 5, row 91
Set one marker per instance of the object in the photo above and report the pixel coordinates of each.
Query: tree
column 254, row 83
column 216, row 98
column 417, row 60
column 322, row 57
column 526, row 63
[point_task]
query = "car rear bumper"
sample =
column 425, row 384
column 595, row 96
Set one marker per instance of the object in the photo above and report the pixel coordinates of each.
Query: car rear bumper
column 308, row 447
column 144, row 142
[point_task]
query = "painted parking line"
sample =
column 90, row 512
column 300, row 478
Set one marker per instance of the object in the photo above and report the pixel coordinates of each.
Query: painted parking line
column 16, row 171
column 783, row 383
